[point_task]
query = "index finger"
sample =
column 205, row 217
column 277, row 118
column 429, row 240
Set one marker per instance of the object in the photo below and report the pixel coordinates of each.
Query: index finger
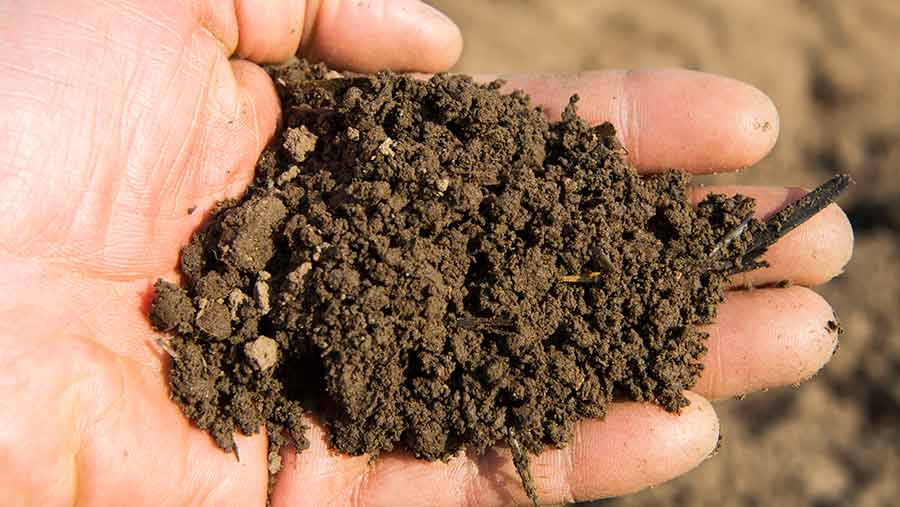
column 362, row 36
column 667, row 118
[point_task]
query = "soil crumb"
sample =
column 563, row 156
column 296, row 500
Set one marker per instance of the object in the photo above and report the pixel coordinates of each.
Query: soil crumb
column 433, row 265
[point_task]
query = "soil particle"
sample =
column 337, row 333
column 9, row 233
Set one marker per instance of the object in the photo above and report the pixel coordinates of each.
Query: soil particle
column 299, row 142
column 214, row 319
column 385, row 147
column 263, row 352
column 245, row 241
column 835, row 327
column 172, row 308
column 261, row 293
column 288, row 175
column 274, row 462
column 434, row 265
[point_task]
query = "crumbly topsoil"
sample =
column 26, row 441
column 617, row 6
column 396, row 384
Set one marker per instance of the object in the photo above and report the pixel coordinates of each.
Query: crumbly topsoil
column 432, row 265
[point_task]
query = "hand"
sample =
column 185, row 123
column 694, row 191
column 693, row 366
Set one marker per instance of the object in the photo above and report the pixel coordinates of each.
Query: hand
column 123, row 122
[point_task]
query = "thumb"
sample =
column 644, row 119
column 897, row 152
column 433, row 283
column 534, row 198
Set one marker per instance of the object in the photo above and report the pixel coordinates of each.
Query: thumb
column 361, row 35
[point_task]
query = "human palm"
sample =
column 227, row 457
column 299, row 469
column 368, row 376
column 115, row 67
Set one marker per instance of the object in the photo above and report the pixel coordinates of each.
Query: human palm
column 122, row 123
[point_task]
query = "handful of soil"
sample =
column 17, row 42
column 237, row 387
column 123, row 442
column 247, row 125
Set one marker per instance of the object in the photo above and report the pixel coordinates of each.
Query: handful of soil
column 433, row 265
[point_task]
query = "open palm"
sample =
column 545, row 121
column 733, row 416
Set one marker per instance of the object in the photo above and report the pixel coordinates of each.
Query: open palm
column 123, row 122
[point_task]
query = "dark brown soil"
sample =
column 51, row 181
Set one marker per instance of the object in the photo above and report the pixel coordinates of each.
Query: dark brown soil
column 829, row 442
column 432, row 265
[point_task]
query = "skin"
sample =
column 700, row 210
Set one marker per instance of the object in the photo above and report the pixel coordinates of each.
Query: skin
column 118, row 117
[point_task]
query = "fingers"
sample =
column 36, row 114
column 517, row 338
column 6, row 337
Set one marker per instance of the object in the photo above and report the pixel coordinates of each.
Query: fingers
column 259, row 103
column 635, row 446
column 397, row 34
column 239, row 120
column 766, row 338
column 810, row 255
column 668, row 118
column 270, row 31
column 347, row 34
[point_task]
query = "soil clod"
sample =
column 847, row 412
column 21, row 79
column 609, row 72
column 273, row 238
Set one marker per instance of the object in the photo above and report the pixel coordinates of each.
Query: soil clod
column 263, row 352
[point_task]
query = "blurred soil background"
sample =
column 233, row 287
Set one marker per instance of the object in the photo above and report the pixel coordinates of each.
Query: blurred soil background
column 832, row 68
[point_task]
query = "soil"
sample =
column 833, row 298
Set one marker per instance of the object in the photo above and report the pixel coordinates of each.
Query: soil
column 831, row 68
column 433, row 265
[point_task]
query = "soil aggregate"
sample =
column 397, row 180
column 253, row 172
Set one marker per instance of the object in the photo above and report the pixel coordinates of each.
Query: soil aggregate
column 433, row 265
